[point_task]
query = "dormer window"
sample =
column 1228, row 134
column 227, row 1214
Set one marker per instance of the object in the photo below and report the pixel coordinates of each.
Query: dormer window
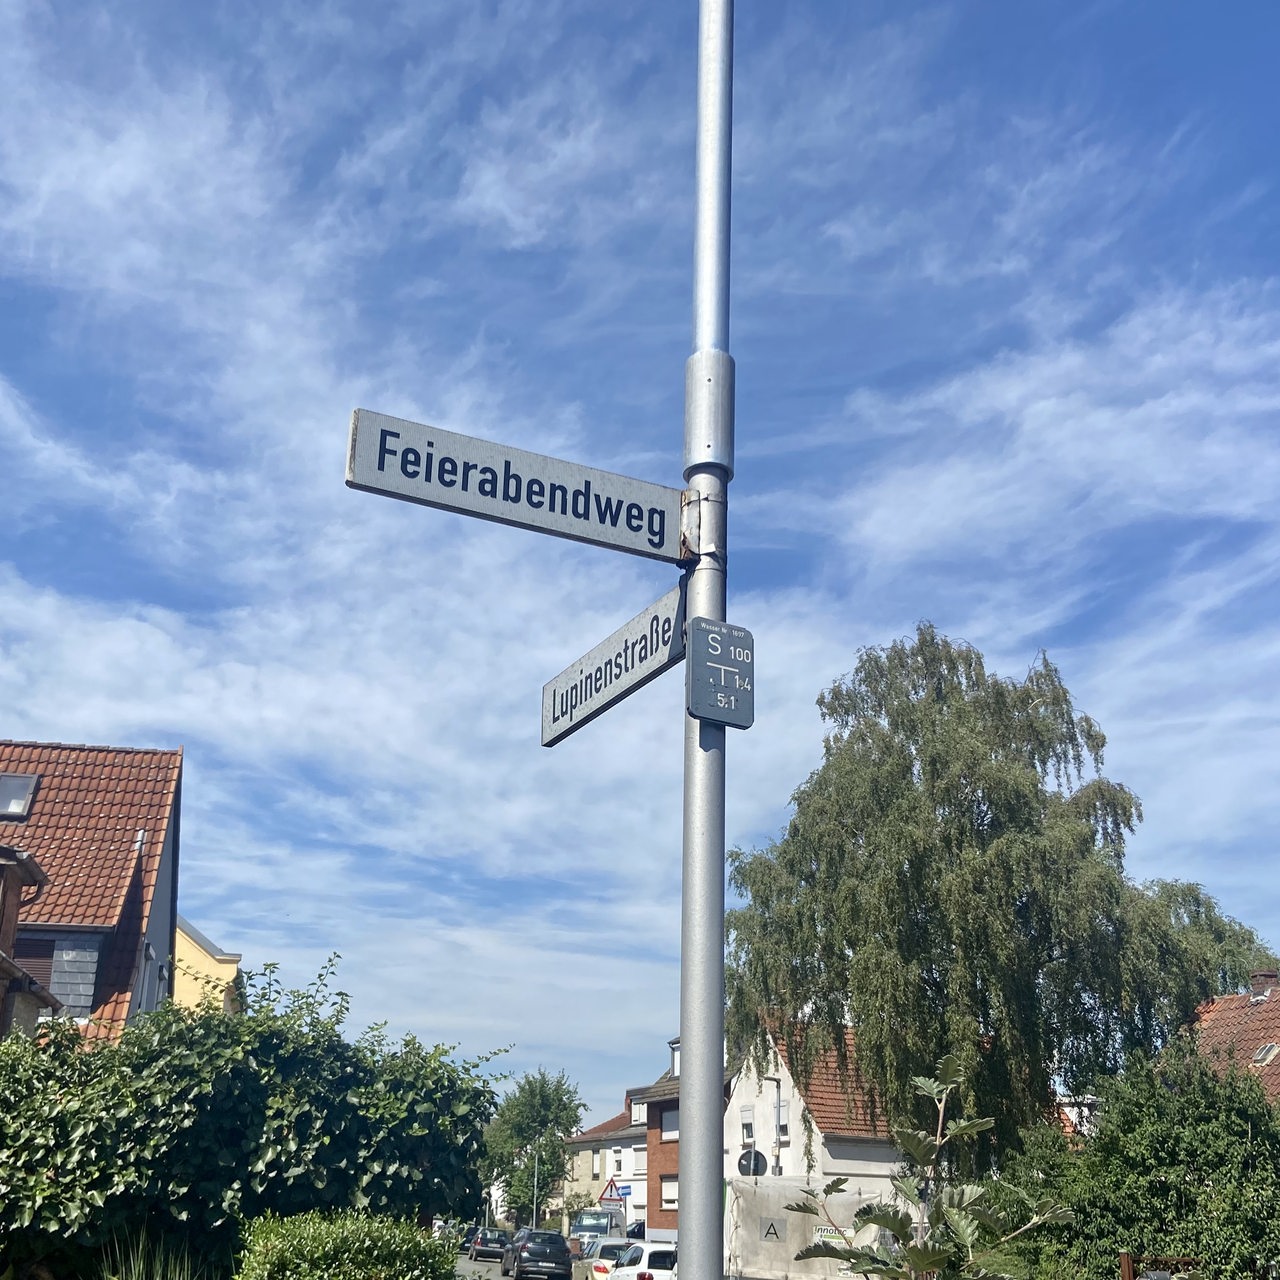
column 17, row 790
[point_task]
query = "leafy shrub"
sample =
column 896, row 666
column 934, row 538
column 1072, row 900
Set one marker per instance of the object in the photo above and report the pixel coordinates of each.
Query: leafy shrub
column 345, row 1246
column 1184, row 1162
column 198, row 1121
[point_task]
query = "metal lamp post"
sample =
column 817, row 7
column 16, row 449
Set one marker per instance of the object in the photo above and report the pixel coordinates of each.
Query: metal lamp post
column 708, row 468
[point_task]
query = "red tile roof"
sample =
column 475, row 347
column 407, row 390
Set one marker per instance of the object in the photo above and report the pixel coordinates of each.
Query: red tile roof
column 1234, row 1028
column 621, row 1121
column 838, row 1107
column 97, row 825
column 99, row 818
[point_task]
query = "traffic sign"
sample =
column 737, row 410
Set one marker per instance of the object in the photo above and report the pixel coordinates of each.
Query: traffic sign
column 424, row 464
column 720, row 680
column 651, row 643
column 624, row 1190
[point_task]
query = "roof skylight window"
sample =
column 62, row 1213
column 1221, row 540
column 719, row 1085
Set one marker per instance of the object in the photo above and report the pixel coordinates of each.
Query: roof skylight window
column 1265, row 1054
column 17, row 790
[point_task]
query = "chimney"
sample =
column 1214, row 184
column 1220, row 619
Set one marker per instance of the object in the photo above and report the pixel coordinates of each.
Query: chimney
column 1261, row 981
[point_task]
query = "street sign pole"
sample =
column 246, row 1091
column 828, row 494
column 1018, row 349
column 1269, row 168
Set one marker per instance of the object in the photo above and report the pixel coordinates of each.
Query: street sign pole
column 708, row 468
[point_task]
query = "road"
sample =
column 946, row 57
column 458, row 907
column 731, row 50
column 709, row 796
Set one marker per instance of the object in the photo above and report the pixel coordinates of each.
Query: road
column 468, row 1270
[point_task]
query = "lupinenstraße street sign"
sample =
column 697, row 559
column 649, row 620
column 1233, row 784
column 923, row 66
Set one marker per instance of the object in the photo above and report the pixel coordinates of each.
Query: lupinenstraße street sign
column 438, row 468
column 651, row 643
column 720, row 678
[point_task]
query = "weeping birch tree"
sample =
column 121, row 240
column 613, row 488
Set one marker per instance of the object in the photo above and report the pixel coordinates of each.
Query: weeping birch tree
column 952, row 882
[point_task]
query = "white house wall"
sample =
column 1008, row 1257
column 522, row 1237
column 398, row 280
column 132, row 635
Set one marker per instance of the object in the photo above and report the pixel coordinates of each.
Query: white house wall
column 868, row 1164
column 626, row 1176
column 762, row 1096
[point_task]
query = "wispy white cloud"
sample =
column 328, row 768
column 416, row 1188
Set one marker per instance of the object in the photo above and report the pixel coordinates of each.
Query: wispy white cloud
column 1171, row 411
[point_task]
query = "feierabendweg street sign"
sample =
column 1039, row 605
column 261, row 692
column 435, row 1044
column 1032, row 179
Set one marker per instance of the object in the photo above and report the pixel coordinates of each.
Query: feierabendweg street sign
column 437, row 468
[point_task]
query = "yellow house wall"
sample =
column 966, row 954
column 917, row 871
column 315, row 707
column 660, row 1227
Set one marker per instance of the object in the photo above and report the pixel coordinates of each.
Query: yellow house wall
column 196, row 974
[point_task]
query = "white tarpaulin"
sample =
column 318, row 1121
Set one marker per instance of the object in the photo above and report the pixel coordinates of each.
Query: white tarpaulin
column 762, row 1237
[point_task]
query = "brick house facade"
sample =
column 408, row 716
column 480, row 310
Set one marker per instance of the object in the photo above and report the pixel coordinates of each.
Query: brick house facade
column 661, row 1101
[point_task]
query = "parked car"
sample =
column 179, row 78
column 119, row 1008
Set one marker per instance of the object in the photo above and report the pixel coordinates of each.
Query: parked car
column 468, row 1235
column 597, row 1259
column 537, row 1253
column 654, row 1258
column 636, row 1229
column 488, row 1242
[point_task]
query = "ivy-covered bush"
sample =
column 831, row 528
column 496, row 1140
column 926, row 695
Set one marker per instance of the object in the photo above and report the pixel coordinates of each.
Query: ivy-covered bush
column 1184, row 1162
column 197, row 1122
column 346, row 1246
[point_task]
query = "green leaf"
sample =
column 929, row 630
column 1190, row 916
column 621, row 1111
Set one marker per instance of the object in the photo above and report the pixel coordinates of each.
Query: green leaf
column 929, row 1087
column 920, row 1147
column 1054, row 1214
column 826, row 1249
column 966, row 1128
column 803, row 1206
column 991, row 1221
column 963, row 1225
column 949, row 1072
column 888, row 1216
column 927, row 1257
column 907, row 1188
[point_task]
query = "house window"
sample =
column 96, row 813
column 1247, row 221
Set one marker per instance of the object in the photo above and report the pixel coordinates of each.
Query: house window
column 638, row 1113
column 1264, row 1055
column 17, row 790
column 640, row 1158
column 748, row 1126
column 617, row 1159
column 595, row 1164
column 784, row 1121
column 670, row 1192
column 670, row 1124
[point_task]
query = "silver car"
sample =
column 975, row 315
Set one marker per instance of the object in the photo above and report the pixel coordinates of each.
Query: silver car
column 597, row 1259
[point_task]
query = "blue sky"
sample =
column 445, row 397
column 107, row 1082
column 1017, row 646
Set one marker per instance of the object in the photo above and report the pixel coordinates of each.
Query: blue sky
column 1007, row 330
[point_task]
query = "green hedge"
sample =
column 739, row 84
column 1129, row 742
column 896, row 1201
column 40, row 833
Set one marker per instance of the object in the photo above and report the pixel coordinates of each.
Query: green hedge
column 199, row 1121
column 347, row 1246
